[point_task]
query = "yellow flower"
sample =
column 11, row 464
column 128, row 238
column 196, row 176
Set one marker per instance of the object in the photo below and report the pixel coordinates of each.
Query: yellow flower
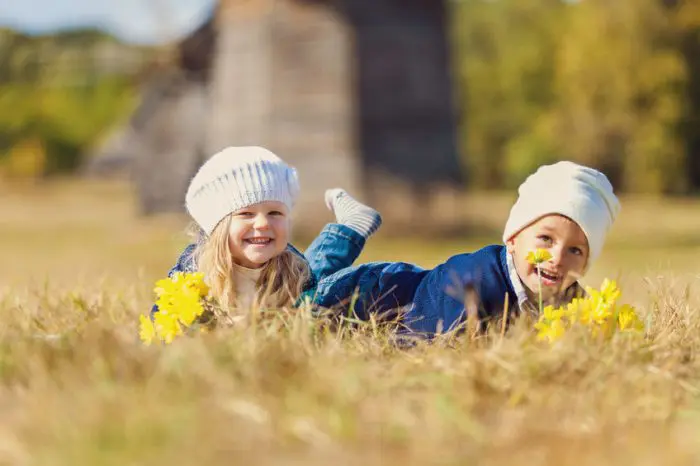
column 188, row 308
column 598, row 312
column 552, row 323
column 167, row 326
column 578, row 311
column 552, row 313
column 628, row 320
column 538, row 256
column 147, row 331
column 609, row 291
column 195, row 281
column 165, row 287
column 180, row 302
column 600, row 304
column 550, row 331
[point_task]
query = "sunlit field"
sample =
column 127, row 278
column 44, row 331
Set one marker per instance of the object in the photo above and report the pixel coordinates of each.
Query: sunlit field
column 77, row 386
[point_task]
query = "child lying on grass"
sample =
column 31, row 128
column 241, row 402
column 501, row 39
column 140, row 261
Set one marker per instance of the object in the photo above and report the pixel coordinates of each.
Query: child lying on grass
column 565, row 209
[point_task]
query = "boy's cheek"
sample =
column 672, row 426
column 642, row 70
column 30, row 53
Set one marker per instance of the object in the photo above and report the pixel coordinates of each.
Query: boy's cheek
column 530, row 283
column 528, row 270
column 569, row 281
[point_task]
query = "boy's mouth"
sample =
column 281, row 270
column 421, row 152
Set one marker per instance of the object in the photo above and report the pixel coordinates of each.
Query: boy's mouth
column 549, row 278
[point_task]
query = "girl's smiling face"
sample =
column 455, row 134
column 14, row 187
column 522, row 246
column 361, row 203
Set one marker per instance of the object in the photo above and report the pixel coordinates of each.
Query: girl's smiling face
column 565, row 241
column 258, row 233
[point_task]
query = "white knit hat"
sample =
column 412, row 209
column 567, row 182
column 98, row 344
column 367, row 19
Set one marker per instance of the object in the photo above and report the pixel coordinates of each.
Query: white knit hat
column 581, row 193
column 239, row 177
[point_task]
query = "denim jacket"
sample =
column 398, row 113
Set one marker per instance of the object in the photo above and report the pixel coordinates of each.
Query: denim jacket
column 432, row 299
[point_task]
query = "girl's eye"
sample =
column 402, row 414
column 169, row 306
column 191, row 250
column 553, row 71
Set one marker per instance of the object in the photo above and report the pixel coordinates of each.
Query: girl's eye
column 577, row 251
column 244, row 214
column 276, row 213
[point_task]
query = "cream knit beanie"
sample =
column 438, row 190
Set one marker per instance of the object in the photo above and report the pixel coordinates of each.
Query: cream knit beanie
column 235, row 178
column 581, row 193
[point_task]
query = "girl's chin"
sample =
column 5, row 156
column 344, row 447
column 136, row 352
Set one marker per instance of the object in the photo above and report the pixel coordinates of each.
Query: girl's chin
column 249, row 264
column 258, row 260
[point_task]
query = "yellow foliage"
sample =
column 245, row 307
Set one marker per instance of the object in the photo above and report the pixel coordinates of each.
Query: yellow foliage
column 25, row 160
column 180, row 300
column 598, row 312
column 603, row 83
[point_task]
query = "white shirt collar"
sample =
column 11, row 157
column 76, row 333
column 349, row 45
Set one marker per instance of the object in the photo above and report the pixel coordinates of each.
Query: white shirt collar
column 516, row 283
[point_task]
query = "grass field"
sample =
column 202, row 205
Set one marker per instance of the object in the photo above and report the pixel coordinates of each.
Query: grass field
column 78, row 265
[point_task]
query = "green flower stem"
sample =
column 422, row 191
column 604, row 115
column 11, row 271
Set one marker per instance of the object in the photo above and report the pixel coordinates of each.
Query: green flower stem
column 539, row 283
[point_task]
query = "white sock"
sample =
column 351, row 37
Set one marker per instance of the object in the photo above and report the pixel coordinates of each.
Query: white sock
column 352, row 213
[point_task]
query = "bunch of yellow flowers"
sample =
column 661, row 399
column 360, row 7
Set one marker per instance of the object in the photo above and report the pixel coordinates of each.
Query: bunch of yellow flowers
column 598, row 311
column 181, row 299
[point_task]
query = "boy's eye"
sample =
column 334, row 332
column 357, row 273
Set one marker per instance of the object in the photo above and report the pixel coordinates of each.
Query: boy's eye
column 545, row 238
column 244, row 214
column 577, row 251
column 276, row 212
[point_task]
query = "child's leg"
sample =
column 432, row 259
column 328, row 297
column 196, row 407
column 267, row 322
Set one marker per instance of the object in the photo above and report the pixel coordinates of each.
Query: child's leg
column 335, row 248
column 352, row 213
column 339, row 244
column 373, row 288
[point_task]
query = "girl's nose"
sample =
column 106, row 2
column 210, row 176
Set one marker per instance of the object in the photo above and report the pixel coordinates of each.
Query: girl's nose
column 261, row 222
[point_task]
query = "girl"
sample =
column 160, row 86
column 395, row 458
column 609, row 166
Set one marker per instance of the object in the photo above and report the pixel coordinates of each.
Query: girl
column 564, row 208
column 240, row 201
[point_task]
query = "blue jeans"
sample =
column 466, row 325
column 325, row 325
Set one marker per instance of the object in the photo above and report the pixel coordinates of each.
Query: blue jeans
column 373, row 288
column 379, row 288
column 334, row 249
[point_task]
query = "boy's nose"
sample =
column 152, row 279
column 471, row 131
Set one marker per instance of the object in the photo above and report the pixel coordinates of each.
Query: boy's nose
column 556, row 256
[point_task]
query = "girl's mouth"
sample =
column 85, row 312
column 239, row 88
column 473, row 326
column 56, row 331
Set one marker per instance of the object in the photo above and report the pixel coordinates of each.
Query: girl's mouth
column 259, row 241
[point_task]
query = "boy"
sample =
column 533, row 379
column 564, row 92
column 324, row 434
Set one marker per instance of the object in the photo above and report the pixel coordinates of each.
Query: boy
column 564, row 208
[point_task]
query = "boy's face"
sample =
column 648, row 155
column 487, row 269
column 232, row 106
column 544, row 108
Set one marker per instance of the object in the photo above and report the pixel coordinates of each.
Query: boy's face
column 566, row 242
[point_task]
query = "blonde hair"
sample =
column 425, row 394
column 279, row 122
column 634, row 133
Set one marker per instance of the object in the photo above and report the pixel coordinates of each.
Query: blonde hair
column 281, row 281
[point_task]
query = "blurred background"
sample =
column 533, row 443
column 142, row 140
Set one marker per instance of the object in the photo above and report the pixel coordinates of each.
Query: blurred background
column 431, row 110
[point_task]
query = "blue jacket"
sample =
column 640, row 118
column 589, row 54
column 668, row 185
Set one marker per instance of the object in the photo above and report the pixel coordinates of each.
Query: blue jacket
column 432, row 298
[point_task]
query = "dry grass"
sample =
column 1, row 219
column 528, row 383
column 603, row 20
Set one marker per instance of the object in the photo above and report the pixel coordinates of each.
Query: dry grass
column 77, row 388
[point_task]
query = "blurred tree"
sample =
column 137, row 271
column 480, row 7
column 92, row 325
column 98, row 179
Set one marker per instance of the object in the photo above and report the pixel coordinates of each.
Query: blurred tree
column 26, row 160
column 618, row 80
column 686, row 16
column 599, row 82
column 611, row 84
column 60, row 93
column 504, row 53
